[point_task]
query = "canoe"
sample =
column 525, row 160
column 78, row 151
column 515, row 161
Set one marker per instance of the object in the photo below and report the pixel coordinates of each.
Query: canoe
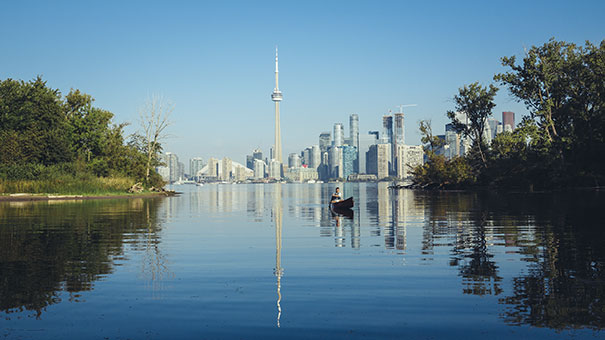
column 345, row 204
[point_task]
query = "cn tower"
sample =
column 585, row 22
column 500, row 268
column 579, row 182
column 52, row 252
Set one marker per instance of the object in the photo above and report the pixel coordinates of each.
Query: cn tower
column 276, row 96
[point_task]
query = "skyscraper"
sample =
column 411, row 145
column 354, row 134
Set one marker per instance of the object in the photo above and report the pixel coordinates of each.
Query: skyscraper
column 398, row 140
column 387, row 129
column 195, row 165
column 354, row 130
column 226, row 169
column 365, row 141
column 508, row 118
column 277, row 97
column 325, row 139
column 354, row 138
column 349, row 158
column 315, row 157
column 338, row 134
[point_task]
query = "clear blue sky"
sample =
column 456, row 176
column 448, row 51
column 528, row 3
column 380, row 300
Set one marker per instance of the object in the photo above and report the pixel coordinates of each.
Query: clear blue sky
column 215, row 60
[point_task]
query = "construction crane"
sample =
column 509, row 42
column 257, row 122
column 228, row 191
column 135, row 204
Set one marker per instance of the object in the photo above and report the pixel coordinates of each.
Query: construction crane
column 405, row 105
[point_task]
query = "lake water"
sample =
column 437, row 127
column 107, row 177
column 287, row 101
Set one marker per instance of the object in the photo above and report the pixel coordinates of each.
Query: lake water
column 272, row 261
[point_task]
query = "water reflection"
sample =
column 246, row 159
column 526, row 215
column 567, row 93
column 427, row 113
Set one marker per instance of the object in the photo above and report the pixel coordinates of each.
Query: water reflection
column 51, row 247
column 538, row 259
column 278, row 271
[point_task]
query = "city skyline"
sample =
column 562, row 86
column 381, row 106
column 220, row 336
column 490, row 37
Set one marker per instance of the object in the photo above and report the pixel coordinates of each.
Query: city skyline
column 353, row 58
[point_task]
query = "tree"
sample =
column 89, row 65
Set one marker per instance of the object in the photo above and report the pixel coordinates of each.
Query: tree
column 154, row 121
column 477, row 103
column 433, row 142
column 562, row 86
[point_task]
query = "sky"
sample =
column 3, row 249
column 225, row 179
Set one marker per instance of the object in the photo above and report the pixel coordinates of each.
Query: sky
column 215, row 61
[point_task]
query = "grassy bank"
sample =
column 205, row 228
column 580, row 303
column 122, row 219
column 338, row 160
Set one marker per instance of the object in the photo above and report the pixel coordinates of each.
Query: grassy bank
column 68, row 185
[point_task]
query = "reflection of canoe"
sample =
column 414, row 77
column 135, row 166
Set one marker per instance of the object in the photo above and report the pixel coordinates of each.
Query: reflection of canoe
column 345, row 204
column 348, row 213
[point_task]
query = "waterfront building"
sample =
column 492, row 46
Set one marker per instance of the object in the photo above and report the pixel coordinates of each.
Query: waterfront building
column 408, row 157
column 294, row 161
column 172, row 162
column 275, row 169
column 301, row 174
column 213, row 165
column 259, row 169
column 338, row 134
column 383, row 160
column 225, row 173
column 349, row 159
column 325, row 140
column 195, row 165
column 378, row 160
column 240, row 173
column 362, row 178
column 335, row 161
column 508, row 119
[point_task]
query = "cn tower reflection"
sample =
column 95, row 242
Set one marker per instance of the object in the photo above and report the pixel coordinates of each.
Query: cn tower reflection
column 277, row 217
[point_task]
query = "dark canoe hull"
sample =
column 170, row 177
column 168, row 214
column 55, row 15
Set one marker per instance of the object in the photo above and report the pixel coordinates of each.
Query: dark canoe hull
column 346, row 204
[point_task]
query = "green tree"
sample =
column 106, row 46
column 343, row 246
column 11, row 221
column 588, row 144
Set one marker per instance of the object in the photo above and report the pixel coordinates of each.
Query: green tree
column 477, row 103
column 562, row 86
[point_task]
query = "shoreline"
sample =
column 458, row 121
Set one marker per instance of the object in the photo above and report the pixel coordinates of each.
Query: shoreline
column 20, row 197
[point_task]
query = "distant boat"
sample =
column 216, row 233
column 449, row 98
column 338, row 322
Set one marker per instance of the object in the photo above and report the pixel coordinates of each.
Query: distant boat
column 199, row 184
column 344, row 204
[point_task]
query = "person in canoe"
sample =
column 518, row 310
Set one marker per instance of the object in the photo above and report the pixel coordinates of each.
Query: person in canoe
column 336, row 196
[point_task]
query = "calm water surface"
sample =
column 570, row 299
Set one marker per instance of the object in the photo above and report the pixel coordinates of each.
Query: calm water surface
column 262, row 261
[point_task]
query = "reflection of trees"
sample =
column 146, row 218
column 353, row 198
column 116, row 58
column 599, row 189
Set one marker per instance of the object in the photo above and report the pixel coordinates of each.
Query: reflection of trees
column 477, row 267
column 565, row 287
column 49, row 247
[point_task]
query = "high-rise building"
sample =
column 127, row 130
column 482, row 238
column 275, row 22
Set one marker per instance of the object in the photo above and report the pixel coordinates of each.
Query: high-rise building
column 195, row 165
column 213, row 167
column 240, row 173
column 335, row 161
column 354, row 138
column 325, row 140
column 226, row 169
column 354, row 130
column 277, row 97
column 387, row 129
column 372, row 159
column 408, row 157
column 508, row 118
column 378, row 160
column 349, row 158
column 365, row 141
column 384, row 160
column 294, row 161
column 315, row 157
column 275, row 169
column 398, row 139
column 306, row 157
column 172, row 162
column 259, row 169
column 338, row 134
